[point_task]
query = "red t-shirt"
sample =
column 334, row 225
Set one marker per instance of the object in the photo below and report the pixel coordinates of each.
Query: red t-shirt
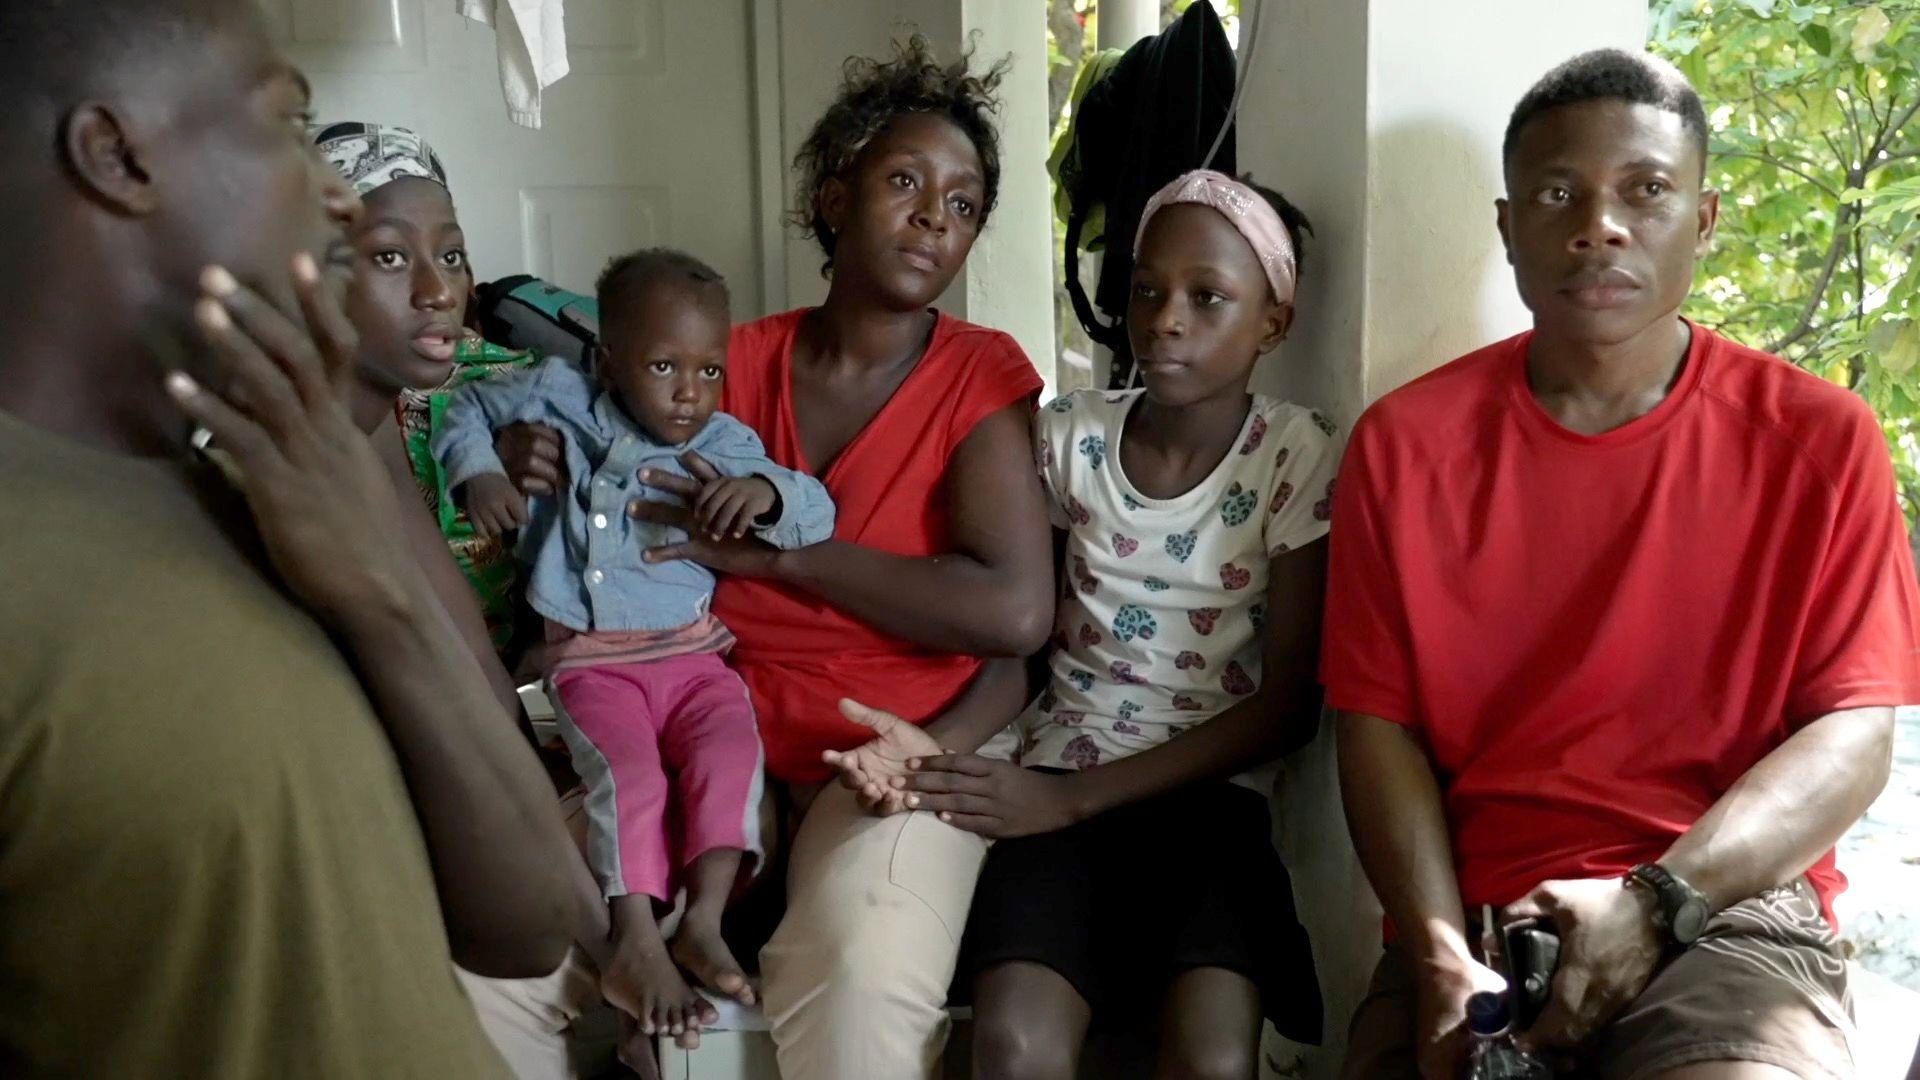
column 1595, row 636
column 798, row 654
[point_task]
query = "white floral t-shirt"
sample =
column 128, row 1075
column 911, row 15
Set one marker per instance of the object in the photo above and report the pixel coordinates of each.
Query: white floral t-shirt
column 1160, row 625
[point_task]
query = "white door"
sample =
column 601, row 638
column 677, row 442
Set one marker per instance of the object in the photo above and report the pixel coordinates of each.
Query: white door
column 651, row 139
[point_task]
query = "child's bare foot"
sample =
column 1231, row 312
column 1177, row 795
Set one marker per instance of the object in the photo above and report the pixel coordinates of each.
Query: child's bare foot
column 698, row 948
column 642, row 981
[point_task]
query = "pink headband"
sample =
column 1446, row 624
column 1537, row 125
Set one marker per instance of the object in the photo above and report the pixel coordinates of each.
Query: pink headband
column 1252, row 216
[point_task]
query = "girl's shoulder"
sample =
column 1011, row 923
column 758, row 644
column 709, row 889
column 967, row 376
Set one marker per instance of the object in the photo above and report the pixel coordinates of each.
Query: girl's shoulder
column 1296, row 429
column 1287, row 412
column 1087, row 409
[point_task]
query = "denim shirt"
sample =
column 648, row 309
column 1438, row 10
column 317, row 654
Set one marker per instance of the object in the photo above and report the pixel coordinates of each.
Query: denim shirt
column 587, row 573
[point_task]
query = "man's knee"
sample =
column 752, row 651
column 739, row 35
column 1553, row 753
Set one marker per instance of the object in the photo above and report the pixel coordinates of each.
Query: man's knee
column 1013, row 1047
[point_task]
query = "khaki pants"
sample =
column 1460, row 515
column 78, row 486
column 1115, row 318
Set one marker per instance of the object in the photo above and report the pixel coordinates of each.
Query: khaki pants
column 855, row 978
column 1766, row 982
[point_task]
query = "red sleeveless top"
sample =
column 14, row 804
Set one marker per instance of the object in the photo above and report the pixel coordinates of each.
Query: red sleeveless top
column 798, row 654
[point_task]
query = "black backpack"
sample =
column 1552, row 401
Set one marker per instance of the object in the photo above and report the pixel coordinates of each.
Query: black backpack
column 1151, row 118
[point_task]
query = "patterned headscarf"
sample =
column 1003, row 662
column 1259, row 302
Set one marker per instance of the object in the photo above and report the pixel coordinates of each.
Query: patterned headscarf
column 371, row 156
column 1252, row 216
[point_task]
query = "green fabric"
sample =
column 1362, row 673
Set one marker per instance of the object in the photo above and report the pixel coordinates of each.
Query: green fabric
column 1064, row 162
column 489, row 567
column 209, row 863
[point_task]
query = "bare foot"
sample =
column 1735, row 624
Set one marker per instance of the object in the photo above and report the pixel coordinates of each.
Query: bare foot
column 642, row 981
column 698, row 948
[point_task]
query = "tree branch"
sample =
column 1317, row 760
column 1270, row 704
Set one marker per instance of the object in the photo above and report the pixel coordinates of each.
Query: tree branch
column 1853, row 122
column 1866, row 89
column 1893, row 127
column 1779, row 164
column 1859, row 278
column 1768, row 116
column 1842, row 233
column 1838, row 154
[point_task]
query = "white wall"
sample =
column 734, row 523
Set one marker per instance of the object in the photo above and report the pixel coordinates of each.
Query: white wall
column 1303, row 131
column 1442, row 80
column 1382, row 119
column 1008, row 280
column 815, row 40
column 649, row 141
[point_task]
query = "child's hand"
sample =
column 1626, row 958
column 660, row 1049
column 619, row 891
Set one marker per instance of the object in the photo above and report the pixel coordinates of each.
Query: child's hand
column 728, row 507
column 876, row 770
column 493, row 505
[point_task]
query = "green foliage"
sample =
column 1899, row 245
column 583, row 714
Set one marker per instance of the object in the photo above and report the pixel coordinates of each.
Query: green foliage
column 1816, row 153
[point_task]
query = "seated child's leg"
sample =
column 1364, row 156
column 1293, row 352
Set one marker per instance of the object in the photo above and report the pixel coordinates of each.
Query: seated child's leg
column 1210, row 1027
column 614, row 738
column 1029, row 1023
column 610, row 727
column 712, row 747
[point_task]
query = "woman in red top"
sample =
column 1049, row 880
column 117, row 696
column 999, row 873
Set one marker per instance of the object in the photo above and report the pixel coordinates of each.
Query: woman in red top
column 917, row 423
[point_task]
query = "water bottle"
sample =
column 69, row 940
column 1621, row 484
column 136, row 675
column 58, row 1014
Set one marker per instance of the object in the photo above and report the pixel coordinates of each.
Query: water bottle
column 1494, row 1055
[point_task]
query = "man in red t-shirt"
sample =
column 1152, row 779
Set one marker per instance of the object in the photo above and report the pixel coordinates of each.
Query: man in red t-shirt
column 1618, row 613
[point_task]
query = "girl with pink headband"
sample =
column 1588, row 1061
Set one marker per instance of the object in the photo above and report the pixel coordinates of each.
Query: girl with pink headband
column 1135, row 882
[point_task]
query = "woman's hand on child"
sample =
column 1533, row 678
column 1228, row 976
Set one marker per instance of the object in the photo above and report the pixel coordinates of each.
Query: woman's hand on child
column 493, row 505
column 726, row 508
column 876, row 770
column 535, row 457
column 997, row 799
column 743, row 557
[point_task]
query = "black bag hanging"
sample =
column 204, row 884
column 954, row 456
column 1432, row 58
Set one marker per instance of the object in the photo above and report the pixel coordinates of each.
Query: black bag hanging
column 1152, row 118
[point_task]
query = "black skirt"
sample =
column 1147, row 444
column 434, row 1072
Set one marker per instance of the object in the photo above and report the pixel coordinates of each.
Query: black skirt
column 1121, row 903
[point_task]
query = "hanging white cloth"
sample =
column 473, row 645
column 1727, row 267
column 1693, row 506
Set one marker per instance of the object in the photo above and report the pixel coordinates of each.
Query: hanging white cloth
column 532, row 36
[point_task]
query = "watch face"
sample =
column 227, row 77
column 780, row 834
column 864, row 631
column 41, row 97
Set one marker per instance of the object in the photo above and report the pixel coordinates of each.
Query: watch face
column 1688, row 921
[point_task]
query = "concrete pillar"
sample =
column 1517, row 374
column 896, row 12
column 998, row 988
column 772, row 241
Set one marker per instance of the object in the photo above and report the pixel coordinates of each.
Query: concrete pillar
column 1117, row 25
column 1008, row 281
column 1009, row 277
column 1120, row 23
column 1382, row 120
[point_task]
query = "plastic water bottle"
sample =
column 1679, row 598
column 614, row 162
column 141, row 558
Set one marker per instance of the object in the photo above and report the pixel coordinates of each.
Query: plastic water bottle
column 1494, row 1055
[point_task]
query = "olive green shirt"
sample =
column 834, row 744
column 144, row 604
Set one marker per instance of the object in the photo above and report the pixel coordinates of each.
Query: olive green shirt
column 209, row 866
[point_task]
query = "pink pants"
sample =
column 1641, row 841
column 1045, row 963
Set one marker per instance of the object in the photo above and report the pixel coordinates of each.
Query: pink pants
column 671, row 759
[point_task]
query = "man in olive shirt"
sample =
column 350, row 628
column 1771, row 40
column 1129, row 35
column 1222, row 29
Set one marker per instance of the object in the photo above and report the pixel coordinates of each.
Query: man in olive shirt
column 255, row 795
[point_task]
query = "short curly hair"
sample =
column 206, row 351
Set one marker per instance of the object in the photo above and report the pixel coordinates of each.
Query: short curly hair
column 872, row 94
column 1638, row 78
column 629, row 278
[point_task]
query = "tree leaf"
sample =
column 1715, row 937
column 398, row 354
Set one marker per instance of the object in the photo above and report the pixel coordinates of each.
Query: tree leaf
column 1868, row 31
column 1818, row 37
column 1900, row 357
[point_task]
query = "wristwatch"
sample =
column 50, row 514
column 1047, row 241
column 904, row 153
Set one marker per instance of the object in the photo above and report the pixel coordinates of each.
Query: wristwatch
column 1679, row 909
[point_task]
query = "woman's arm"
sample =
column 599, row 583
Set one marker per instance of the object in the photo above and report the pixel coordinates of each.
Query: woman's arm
column 1001, row 800
column 991, row 596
